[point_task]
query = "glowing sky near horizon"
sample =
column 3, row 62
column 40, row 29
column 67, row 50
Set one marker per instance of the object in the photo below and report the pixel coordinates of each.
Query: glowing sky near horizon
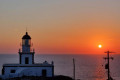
column 61, row 26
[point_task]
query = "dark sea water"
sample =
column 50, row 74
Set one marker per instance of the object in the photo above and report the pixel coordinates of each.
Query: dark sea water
column 88, row 67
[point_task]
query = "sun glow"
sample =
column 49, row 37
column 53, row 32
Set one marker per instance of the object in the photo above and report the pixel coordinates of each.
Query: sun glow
column 100, row 46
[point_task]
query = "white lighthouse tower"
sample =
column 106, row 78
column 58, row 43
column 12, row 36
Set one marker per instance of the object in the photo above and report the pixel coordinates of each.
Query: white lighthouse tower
column 27, row 55
column 27, row 67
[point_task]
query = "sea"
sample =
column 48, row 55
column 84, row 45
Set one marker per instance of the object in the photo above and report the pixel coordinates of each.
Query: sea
column 87, row 66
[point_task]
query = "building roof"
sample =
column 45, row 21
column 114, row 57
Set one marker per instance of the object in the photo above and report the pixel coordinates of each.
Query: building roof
column 26, row 36
column 44, row 64
column 28, row 65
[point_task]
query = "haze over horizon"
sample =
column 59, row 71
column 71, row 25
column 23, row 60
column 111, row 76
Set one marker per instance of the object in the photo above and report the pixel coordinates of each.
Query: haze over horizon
column 61, row 27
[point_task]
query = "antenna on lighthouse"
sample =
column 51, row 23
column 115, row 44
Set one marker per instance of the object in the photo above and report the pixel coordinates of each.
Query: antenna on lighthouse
column 26, row 29
column 107, row 65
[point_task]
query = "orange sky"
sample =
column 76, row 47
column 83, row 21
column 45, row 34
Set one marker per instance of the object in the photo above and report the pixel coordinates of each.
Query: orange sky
column 61, row 27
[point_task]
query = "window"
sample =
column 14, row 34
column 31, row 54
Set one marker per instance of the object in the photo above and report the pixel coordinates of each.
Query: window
column 29, row 42
column 23, row 42
column 12, row 71
column 26, row 42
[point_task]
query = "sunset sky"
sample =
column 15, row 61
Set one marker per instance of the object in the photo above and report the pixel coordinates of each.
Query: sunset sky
column 61, row 26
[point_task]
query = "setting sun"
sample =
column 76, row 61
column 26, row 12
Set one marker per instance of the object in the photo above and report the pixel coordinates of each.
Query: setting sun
column 100, row 46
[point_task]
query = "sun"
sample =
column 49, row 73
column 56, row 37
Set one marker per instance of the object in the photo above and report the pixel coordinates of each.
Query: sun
column 100, row 46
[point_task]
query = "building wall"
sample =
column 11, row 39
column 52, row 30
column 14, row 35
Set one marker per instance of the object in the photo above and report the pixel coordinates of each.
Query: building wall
column 28, row 71
column 30, row 56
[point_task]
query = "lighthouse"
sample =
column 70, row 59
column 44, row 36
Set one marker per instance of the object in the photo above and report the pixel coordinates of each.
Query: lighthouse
column 27, row 54
column 26, row 65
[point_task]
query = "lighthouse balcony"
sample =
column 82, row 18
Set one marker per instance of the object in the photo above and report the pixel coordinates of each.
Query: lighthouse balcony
column 32, row 51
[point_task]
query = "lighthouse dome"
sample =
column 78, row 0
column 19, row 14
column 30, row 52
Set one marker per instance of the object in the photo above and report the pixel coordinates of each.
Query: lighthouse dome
column 26, row 36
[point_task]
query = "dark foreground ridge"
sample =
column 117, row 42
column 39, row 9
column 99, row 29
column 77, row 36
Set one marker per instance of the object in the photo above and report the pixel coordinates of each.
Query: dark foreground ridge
column 60, row 77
